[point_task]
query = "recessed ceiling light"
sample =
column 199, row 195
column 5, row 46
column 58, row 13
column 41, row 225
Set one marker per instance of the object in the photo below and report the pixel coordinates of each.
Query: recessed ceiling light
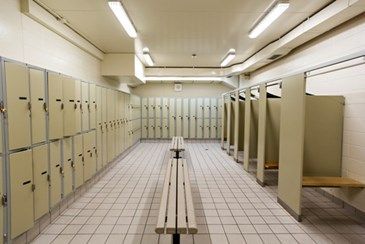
column 269, row 18
column 231, row 54
column 182, row 78
column 147, row 56
column 119, row 12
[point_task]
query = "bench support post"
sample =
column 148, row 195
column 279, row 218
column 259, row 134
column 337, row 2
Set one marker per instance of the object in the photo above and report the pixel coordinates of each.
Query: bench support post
column 176, row 239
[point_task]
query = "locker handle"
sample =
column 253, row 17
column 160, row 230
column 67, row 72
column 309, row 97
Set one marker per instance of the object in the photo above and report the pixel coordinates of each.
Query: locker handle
column 71, row 101
column 80, row 154
column 45, row 107
column 26, row 182
column 57, row 165
column 22, row 98
column 44, row 172
column 40, row 99
column 58, row 100
column 69, row 159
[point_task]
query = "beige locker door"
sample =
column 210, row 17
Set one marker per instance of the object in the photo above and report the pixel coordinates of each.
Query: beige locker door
column 200, row 108
column 186, row 118
column 55, row 172
column 104, row 118
column 99, row 149
column 40, row 173
column 172, row 118
column 85, row 106
column 200, row 128
column 87, row 156
column 179, row 117
column 21, row 192
column 144, row 128
column 18, row 105
column 69, row 116
column 220, row 107
column 79, row 162
column 165, row 108
column 144, row 107
column 165, row 128
column 78, row 107
column 93, row 152
column 110, row 145
column 219, row 128
column 92, row 106
column 1, row 206
column 122, row 122
column 151, row 128
column 38, row 105
column 213, row 118
column 193, row 119
column 158, row 128
column 67, row 166
column 213, row 128
column 118, row 143
column 98, row 107
column 206, row 128
column 55, row 113
column 207, row 106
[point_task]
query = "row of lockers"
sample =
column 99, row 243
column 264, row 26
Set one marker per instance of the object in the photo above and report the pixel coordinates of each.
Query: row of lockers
column 187, row 117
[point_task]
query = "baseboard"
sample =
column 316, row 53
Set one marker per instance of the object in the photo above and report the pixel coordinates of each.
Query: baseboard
column 289, row 210
column 260, row 183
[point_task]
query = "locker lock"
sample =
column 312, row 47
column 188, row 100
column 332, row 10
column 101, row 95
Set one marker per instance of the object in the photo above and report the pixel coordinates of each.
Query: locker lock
column 62, row 171
column 88, row 106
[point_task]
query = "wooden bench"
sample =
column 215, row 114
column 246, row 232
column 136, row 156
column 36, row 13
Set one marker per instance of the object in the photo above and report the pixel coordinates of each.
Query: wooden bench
column 177, row 145
column 176, row 215
column 272, row 165
column 309, row 181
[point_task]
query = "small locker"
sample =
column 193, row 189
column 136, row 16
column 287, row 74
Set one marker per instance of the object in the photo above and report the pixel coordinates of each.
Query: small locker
column 98, row 107
column 200, row 108
column 186, row 118
column 199, row 128
column 213, row 118
column 1, row 206
column 21, row 192
column 67, row 166
column 165, row 108
column 78, row 161
column 151, row 107
column 40, row 175
column 85, row 106
column 151, row 128
column 193, row 118
column 165, row 128
column 38, row 105
column 92, row 106
column 219, row 127
column 18, row 105
column 55, row 172
column 99, row 128
column 104, row 125
column 70, row 106
column 158, row 128
column 220, row 106
column 99, row 149
column 55, row 102
column 207, row 127
column 144, row 107
column 172, row 124
column 89, row 155
column 179, row 117
column 144, row 128
column 78, row 106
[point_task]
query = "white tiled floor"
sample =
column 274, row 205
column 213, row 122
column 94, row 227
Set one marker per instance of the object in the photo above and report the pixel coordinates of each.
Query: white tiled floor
column 230, row 206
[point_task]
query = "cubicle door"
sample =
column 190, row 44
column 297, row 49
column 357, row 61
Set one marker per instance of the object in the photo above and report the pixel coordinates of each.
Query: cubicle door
column 186, row 118
column 92, row 106
column 200, row 128
column 39, row 106
column 179, row 117
column 78, row 107
column 21, row 192
column 69, row 117
column 67, row 166
column 55, row 172
column 144, row 128
column 193, row 119
column 79, row 162
column 40, row 173
column 85, row 106
column 172, row 117
column 18, row 105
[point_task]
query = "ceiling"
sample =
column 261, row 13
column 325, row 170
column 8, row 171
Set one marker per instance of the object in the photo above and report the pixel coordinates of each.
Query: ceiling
column 173, row 29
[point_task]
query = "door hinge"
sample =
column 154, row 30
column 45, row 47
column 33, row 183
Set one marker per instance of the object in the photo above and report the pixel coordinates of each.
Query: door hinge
column 72, row 164
column 2, row 108
column 33, row 187
column 48, row 178
column 4, row 200
column 83, row 159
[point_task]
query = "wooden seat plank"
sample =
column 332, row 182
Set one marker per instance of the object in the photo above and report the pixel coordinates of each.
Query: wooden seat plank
column 192, row 226
column 160, row 228
column 271, row 165
column 171, row 208
column 181, row 212
column 315, row 181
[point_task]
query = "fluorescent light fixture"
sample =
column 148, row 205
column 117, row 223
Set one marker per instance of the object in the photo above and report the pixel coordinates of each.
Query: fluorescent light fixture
column 183, row 78
column 147, row 56
column 269, row 18
column 119, row 12
column 231, row 54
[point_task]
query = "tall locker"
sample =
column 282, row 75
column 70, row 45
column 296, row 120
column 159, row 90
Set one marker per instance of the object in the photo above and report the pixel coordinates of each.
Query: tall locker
column 110, row 127
column 165, row 118
column 40, row 175
column 186, row 118
column 78, row 161
column 99, row 127
column 78, row 108
column 85, row 106
column 70, row 106
column 92, row 106
column 1, row 206
column 55, row 172
column 128, row 118
column 144, row 117
column 179, row 117
column 151, row 117
column 38, row 105
column 200, row 118
column 114, row 116
column 104, row 126
column 219, row 117
column 193, row 118
column 172, row 122
column 158, row 113
column 122, row 120
column 67, row 166
column 213, row 118
column 116, row 124
column 18, row 105
column 207, row 125
column 21, row 192
column 55, row 113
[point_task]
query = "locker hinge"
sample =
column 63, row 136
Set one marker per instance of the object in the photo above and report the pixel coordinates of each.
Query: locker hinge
column 2, row 108
column 72, row 164
column 48, row 178
column 4, row 200
column 61, row 171
column 33, row 187
column 83, row 159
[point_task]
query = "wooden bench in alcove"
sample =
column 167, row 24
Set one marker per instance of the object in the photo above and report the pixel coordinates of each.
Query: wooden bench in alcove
column 315, row 181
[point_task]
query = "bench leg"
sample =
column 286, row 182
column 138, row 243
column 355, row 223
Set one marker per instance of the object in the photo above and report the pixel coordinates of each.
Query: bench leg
column 176, row 239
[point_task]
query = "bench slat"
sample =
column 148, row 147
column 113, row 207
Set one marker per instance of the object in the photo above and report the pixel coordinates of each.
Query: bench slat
column 160, row 228
column 192, row 226
column 181, row 212
column 171, row 211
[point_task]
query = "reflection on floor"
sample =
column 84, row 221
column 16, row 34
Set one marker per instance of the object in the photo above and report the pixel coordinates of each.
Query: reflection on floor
column 230, row 206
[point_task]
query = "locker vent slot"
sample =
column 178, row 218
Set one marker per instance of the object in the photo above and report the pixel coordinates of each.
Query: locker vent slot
column 69, row 159
column 80, row 155
column 26, row 182
column 57, row 165
column 58, row 100
column 23, row 98
column 78, row 101
column 44, row 172
column 40, row 99
column 71, row 101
